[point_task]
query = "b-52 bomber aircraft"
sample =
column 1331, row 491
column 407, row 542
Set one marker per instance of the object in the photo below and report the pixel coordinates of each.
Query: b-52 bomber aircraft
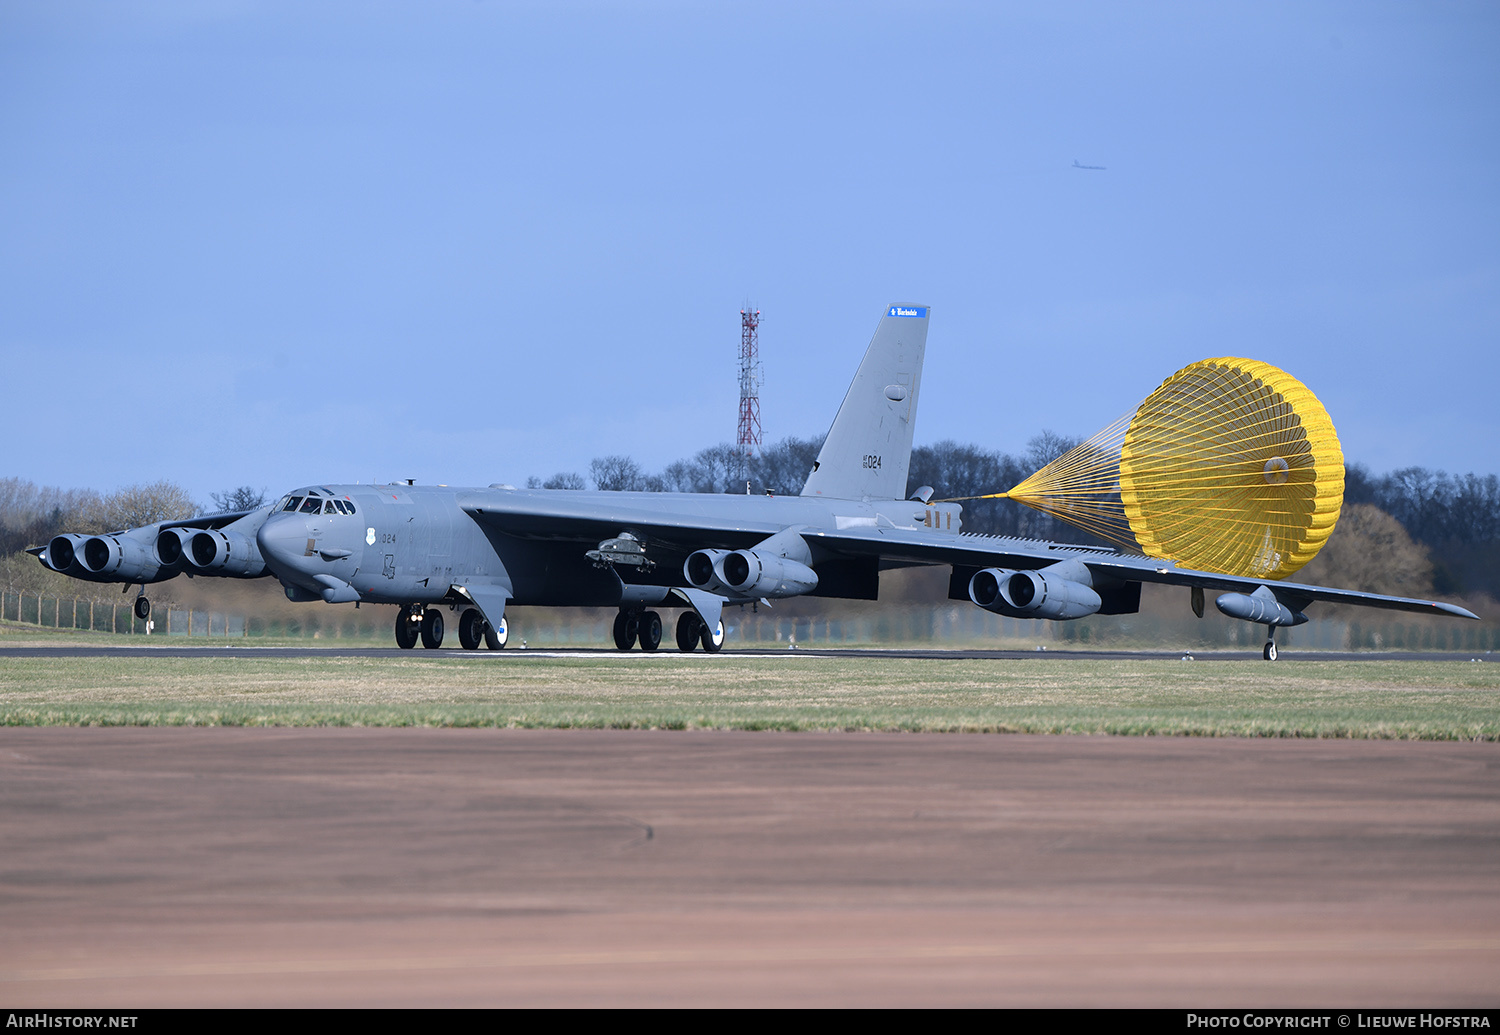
column 481, row 550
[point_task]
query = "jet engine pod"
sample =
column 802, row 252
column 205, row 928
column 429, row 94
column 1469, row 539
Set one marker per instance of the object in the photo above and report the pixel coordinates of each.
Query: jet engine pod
column 225, row 553
column 701, row 569
column 1260, row 607
column 118, row 557
column 1032, row 594
column 753, row 574
column 65, row 553
column 172, row 544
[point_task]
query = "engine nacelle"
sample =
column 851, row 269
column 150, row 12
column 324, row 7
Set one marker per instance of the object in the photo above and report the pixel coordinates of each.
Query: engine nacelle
column 224, row 553
column 65, row 554
column 118, row 557
column 750, row 573
column 1260, row 607
column 172, row 544
column 1033, row 594
column 701, row 569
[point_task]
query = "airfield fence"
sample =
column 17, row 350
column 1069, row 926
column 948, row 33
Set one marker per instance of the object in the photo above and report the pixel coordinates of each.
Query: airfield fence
column 894, row 624
column 47, row 612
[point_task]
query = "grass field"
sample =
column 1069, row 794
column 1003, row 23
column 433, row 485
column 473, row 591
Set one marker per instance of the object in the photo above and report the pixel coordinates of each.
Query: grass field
column 1444, row 700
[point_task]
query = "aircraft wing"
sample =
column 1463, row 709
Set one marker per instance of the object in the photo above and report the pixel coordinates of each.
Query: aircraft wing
column 983, row 551
column 581, row 517
column 695, row 522
column 201, row 521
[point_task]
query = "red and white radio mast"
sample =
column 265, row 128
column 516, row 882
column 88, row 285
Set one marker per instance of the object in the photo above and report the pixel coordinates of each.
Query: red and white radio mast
column 748, row 440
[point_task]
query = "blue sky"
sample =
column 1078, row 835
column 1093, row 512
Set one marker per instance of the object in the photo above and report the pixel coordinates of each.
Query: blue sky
column 278, row 243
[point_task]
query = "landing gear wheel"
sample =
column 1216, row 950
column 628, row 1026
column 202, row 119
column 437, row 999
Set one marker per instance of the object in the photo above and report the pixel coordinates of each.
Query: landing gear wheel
column 713, row 639
column 471, row 628
column 496, row 639
column 626, row 629
column 1270, row 651
column 648, row 629
column 142, row 608
column 432, row 629
column 689, row 629
column 406, row 629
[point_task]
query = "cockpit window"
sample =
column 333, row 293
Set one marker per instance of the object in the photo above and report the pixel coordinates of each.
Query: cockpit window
column 312, row 505
column 348, row 507
column 331, row 507
column 292, row 503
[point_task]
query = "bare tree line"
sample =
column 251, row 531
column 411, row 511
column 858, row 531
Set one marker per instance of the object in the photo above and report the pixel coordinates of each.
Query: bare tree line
column 952, row 469
column 1452, row 522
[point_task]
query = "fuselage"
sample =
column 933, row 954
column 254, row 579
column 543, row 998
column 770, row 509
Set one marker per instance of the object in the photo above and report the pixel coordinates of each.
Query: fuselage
column 413, row 544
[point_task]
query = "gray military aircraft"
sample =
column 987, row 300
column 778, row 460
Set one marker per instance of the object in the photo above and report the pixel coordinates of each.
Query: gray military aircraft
column 479, row 551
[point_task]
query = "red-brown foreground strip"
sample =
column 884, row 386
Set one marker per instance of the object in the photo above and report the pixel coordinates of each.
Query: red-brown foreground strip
column 425, row 867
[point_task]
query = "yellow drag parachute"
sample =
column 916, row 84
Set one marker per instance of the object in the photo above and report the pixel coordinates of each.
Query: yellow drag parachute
column 1231, row 466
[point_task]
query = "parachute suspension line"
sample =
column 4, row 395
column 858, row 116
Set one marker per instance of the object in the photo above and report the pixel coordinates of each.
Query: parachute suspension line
column 1230, row 466
column 1082, row 487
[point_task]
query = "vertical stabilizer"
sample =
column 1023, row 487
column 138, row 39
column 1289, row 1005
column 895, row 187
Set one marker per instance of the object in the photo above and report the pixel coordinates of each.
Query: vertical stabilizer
column 868, row 449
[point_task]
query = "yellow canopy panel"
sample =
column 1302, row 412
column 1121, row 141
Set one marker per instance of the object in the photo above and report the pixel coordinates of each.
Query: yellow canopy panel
column 1232, row 466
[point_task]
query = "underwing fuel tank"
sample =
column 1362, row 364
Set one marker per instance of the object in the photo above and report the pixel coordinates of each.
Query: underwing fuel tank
column 1059, row 592
column 1260, row 607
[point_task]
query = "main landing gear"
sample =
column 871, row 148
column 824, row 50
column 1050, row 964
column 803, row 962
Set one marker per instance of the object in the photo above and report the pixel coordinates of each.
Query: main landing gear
column 416, row 621
column 408, row 626
column 645, row 628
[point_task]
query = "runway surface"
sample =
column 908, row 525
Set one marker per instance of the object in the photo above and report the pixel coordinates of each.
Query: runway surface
column 430, row 867
column 189, row 650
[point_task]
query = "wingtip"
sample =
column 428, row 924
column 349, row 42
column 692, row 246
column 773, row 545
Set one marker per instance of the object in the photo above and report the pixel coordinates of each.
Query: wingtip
column 1458, row 612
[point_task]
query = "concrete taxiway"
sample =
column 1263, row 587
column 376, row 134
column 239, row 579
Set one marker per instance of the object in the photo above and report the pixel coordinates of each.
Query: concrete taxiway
column 432, row 867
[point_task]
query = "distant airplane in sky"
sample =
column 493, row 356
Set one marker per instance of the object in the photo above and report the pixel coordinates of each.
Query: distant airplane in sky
column 1078, row 166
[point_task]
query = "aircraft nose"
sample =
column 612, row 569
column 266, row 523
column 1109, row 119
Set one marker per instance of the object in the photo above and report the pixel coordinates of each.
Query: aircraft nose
column 283, row 542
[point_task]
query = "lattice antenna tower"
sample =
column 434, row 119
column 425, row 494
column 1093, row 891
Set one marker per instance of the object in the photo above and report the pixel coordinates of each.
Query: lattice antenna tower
column 748, row 439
